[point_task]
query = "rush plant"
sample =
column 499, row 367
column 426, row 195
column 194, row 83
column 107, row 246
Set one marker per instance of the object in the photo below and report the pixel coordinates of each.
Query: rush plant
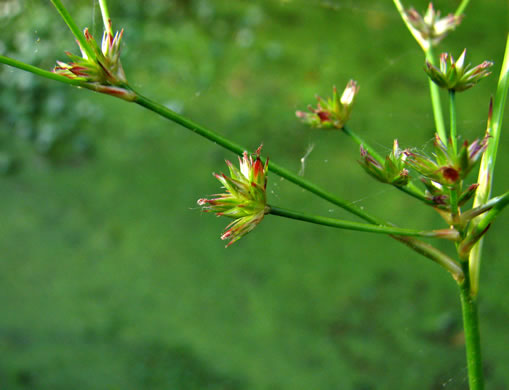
column 441, row 181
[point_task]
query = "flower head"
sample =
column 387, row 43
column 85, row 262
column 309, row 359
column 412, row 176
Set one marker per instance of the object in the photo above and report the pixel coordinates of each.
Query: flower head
column 244, row 199
column 334, row 112
column 456, row 75
column 393, row 170
column 446, row 168
column 429, row 29
column 101, row 65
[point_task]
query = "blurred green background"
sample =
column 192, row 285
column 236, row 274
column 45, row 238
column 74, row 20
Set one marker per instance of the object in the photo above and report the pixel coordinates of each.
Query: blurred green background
column 111, row 278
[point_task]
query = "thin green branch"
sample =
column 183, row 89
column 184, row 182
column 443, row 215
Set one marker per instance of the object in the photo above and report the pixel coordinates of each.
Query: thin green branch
column 461, row 7
column 74, row 28
column 38, row 71
column 363, row 227
column 453, row 192
column 487, row 167
column 412, row 190
column 452, row 113
column 121, row 91
column 238, row 149
column 435, row 101
column 106, row 16
column 472, row 338
column 420, row 247
column 361, row 142
column 435, row 255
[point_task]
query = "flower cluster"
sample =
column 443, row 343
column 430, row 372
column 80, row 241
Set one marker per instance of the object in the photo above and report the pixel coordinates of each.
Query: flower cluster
column 447, row 169
column 245, row 198
column 393, row 170
column 456, row 75
column 429, row 29
column 99, row 64
column 439, row 173
column 332, row 113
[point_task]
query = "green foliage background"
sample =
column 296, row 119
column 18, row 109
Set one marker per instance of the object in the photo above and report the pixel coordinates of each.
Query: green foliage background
column 111, row 278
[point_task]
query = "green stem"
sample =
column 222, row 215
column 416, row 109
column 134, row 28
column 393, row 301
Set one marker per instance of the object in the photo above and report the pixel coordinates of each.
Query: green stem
column 106, row 16
column 435, row 101
column 74, row 28
column 238, row 149
column 421, row 247
column 472, row 339
column 363, row 227
column 461, row 7
column 435, row 255
column 412, row 190
column 38, row 71
column 453, row 196
column 453, row 192
column 361, row 142
column 121, row 91
column 452, row 110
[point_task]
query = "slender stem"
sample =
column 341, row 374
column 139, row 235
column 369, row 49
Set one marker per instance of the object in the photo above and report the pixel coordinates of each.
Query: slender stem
column 435, row 101
column 461, row 7
column 238, row 149
column 435, row 255
column 472, row 338
column 74, row 28
column 485, row 178
column 363, row 227
column 121, row 91
column 421, row 247
column 361, row 142
column 106, row 16
column 412, row 190
column 453, row 196
column 452, row 110
column 38, row 71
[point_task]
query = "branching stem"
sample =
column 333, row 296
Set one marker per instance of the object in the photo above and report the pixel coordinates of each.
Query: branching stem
column 106, row 16
column 435, row 101
column 472, row 337
column 363, row 227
